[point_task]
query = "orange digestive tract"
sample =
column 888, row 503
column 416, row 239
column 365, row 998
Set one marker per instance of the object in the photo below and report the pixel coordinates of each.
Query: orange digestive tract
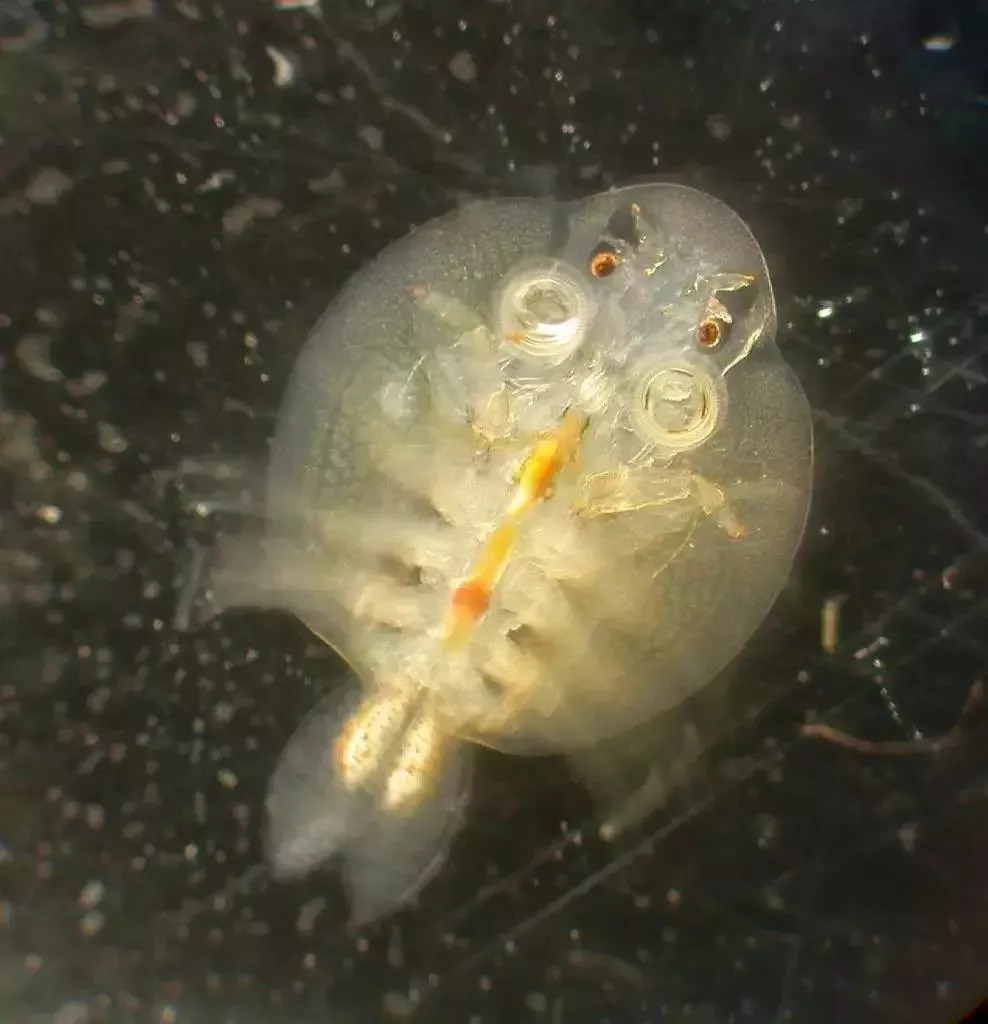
column 535, row 481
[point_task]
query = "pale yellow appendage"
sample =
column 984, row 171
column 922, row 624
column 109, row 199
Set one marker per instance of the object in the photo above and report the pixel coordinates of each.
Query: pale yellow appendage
column 626, row 490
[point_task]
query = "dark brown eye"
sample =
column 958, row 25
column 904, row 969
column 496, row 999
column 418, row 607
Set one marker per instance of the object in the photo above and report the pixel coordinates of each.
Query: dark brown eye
column 604, row 261
column 709, row 333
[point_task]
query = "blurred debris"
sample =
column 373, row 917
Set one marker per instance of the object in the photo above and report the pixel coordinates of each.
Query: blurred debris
column 920, row 745
column 33, row 353
column 110, row 13
column 940, row 42
column 830, row 622
column 462, row 67
column 285, row 67
column 869, row 650
column 47, row 186
column 20, row 26
column 238, row 218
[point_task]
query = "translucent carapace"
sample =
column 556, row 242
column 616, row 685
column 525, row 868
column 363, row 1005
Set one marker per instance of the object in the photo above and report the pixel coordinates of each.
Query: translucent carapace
column 540, row 473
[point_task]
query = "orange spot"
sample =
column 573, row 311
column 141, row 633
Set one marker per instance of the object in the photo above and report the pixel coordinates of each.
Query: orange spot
column 708, row 333
column 471, row 599
column 604, row 262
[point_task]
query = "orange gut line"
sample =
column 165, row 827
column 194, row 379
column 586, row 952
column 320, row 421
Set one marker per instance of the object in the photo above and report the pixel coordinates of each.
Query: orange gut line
column 536, row 478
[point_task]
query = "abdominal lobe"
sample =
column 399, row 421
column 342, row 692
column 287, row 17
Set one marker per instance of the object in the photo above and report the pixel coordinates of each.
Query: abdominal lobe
column 388, row 844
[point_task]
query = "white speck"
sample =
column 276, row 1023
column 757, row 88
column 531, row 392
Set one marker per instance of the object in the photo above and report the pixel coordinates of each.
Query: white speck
column 387, row 12
column 767, row 828
column 223, row 711
column 95, row 816
column 719, row 127
column 825, row 310
column 198, row 353
column 191, row 851
column 88, row 384
column 110, row 15
column 111, row 439
column 77, row 480
column 284, row 67
column 397, row 1005
column 47, row 187
column 331, row 183
column 907, row 836
column 774, row 900
column 538, row 1002
column 92, row 922
column 226, row 778
column 75, row 1012
column 307, row 915
column 238, row 218
column 866, row 652
column 33, row 355
column 462, row 66
column 940, row 43
column 216, row 180
column 917, row 337
column 373, row 136
column 92, row 894
column 396, row 951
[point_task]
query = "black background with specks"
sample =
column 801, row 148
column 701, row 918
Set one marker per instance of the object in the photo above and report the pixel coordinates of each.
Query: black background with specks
column 191, row 218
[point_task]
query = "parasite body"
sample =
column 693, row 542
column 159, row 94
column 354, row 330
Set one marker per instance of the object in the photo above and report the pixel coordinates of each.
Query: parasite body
column 540, row 473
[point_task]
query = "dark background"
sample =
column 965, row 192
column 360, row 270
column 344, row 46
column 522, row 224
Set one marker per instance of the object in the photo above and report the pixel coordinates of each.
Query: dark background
column 171, row 221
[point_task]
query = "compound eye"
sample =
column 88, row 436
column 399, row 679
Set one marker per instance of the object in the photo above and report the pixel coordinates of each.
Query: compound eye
column 731, row 300
column 604, row 260
column 544, row 312
column 710, row 333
